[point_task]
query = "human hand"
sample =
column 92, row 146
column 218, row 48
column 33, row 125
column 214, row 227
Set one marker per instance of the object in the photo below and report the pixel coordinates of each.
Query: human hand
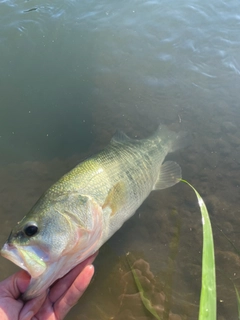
column 53, row 305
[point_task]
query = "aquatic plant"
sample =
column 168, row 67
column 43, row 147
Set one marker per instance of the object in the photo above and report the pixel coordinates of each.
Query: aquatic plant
column 238, row 299
column 207, row 310
column 145, row 300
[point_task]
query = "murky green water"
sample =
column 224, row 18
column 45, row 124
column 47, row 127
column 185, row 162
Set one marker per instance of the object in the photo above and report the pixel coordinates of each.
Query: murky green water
column 74, row 71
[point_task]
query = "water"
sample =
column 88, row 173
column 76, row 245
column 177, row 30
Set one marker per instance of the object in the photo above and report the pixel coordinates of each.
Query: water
column 74, row 71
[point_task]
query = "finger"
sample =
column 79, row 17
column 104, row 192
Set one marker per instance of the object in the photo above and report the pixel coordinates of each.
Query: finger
column 15, row 285
column 32, row 307
column 70, row 298
column 45, row 312
column 62, row 285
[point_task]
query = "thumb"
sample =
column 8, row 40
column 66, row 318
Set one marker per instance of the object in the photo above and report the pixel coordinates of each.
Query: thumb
column 15, row 285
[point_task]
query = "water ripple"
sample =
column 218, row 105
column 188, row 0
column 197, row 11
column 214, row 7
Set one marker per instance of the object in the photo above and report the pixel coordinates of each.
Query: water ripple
column 149, row 42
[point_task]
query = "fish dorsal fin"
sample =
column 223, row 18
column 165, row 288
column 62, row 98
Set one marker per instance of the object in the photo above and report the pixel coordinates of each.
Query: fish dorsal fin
column 169, row 175
column 120, row 136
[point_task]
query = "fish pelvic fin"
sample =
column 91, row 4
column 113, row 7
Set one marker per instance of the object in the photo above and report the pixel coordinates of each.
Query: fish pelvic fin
column 169, row 175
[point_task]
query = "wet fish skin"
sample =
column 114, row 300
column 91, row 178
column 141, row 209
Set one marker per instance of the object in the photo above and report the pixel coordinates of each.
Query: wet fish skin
column 89, row 204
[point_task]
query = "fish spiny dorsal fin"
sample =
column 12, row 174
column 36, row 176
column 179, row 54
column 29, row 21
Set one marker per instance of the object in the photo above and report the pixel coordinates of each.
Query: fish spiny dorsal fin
column 121, row 137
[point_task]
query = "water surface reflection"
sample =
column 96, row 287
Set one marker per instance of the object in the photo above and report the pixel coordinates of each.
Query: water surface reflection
column 74, row 71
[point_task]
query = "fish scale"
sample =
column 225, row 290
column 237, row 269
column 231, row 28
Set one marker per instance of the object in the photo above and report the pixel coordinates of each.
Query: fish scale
column 82, row 210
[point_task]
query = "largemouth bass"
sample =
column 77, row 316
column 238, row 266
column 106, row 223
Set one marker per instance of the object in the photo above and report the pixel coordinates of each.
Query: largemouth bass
column 89, row 204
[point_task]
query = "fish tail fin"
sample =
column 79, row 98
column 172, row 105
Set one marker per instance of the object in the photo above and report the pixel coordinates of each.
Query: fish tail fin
column 174, row 140
column 170, row 172
column 181, row 141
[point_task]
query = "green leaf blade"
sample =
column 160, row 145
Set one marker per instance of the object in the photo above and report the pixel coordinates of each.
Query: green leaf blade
column 146, row 302
column 208, row 305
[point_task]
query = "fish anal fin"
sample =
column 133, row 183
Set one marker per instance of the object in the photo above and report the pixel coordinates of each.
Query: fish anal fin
column 115, row 198
column 169, row 175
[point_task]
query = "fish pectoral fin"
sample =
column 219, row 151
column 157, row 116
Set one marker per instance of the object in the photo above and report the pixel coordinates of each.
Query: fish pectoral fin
column 115, row 198
column 169, row 175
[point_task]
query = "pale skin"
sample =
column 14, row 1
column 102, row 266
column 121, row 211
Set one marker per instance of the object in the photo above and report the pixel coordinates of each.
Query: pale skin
column 53, row 305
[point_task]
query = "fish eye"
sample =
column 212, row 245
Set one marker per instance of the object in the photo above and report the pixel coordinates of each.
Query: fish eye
column 31, row 229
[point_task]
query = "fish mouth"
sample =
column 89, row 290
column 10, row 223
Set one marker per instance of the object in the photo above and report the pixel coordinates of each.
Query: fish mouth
column 42, row 269
column 44, row 266
column 27, row 258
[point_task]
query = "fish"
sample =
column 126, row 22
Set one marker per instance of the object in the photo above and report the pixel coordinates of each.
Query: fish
column 87, row 205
